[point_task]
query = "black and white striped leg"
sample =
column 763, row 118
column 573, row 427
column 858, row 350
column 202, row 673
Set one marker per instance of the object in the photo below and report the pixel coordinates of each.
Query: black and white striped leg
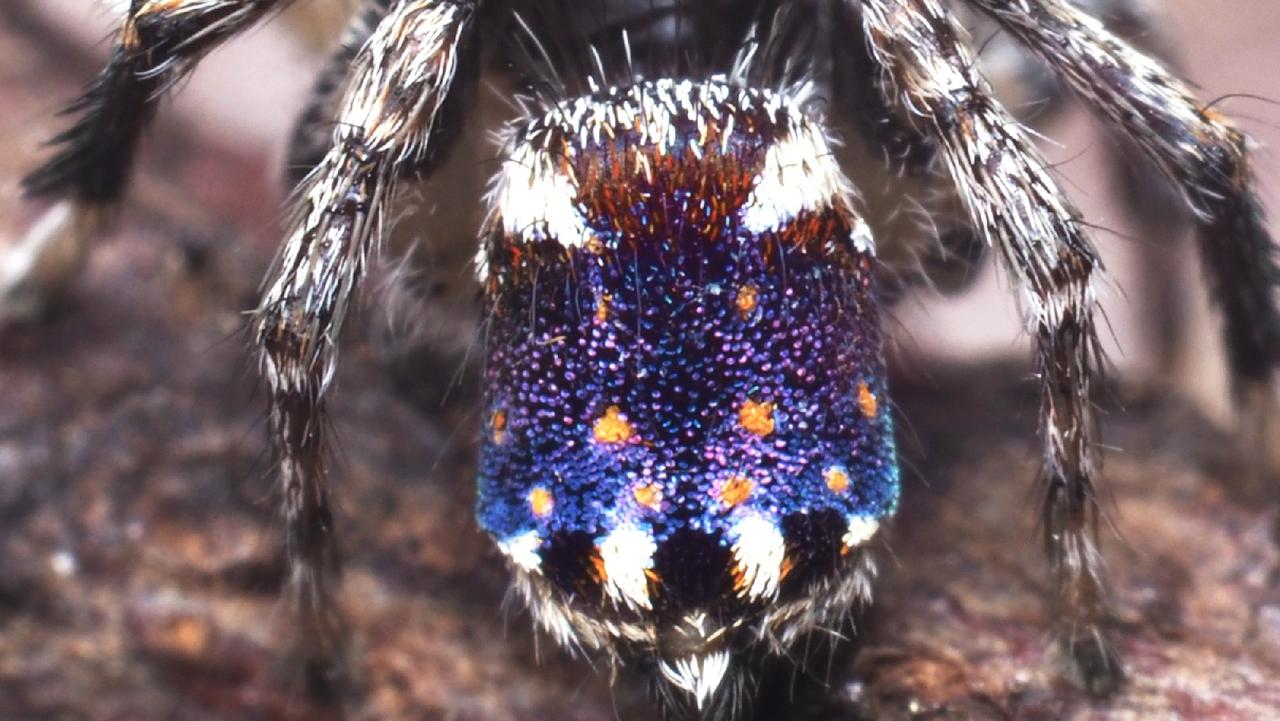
column 160, row 41
column 1200, row 151
column 398, row 111
column 313, row 131
column 1019, row 210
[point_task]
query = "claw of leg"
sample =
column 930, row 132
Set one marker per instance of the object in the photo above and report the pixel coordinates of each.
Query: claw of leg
column 36, row 270
column 1092, row 661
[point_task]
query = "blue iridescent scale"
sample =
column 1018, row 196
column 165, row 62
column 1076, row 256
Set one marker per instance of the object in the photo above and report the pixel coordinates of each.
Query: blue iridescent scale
column 679, row 371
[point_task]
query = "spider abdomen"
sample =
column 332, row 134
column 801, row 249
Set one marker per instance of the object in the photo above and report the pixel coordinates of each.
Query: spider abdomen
column 687, row 427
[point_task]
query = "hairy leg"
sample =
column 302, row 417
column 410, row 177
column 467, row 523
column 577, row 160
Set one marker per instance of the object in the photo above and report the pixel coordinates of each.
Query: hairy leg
column 915, row 208
column 1020, row 211
column 1194, row 146
column 313, row 132
column 398, row 112
column 159, row 43
column 1163, row 221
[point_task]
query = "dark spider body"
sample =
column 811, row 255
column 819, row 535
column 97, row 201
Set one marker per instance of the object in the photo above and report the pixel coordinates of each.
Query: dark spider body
column 688, row 440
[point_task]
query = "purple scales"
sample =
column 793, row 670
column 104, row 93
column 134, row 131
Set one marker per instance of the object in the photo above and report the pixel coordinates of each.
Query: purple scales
column 688, row 441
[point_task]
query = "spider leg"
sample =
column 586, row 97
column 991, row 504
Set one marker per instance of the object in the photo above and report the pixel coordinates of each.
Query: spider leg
column 313, row 132
column 925, row 235
column 159, row 43
column 425, row 292
column 1194, row 146
column 398, row 111
column 1019, row 210
column 1161, row 217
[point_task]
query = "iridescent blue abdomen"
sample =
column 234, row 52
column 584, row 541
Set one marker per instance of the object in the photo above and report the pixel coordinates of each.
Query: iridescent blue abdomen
column 685, row 389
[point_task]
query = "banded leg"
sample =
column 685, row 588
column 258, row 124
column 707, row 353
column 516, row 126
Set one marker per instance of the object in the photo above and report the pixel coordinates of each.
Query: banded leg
column 1020, row 211
column 397, row 112
column 313, row 132
column 1198, row 150
column 913, row 206
column 159, row 43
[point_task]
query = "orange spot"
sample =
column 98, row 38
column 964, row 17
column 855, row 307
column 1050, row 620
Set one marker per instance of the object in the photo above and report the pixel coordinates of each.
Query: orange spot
column 867, row 401
column 788, row 565
column 837, row 479
column 612, row 427
column 1212, row 115
column 541, row 502
column 748, row 300
column 649, row 496
column 756, row 417
column 602, row 308
column 736, row 490
column 597, row 568
column 498, row 425
column 655, row 582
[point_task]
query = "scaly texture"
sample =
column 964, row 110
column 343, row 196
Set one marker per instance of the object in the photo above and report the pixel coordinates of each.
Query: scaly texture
column 689, row 439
